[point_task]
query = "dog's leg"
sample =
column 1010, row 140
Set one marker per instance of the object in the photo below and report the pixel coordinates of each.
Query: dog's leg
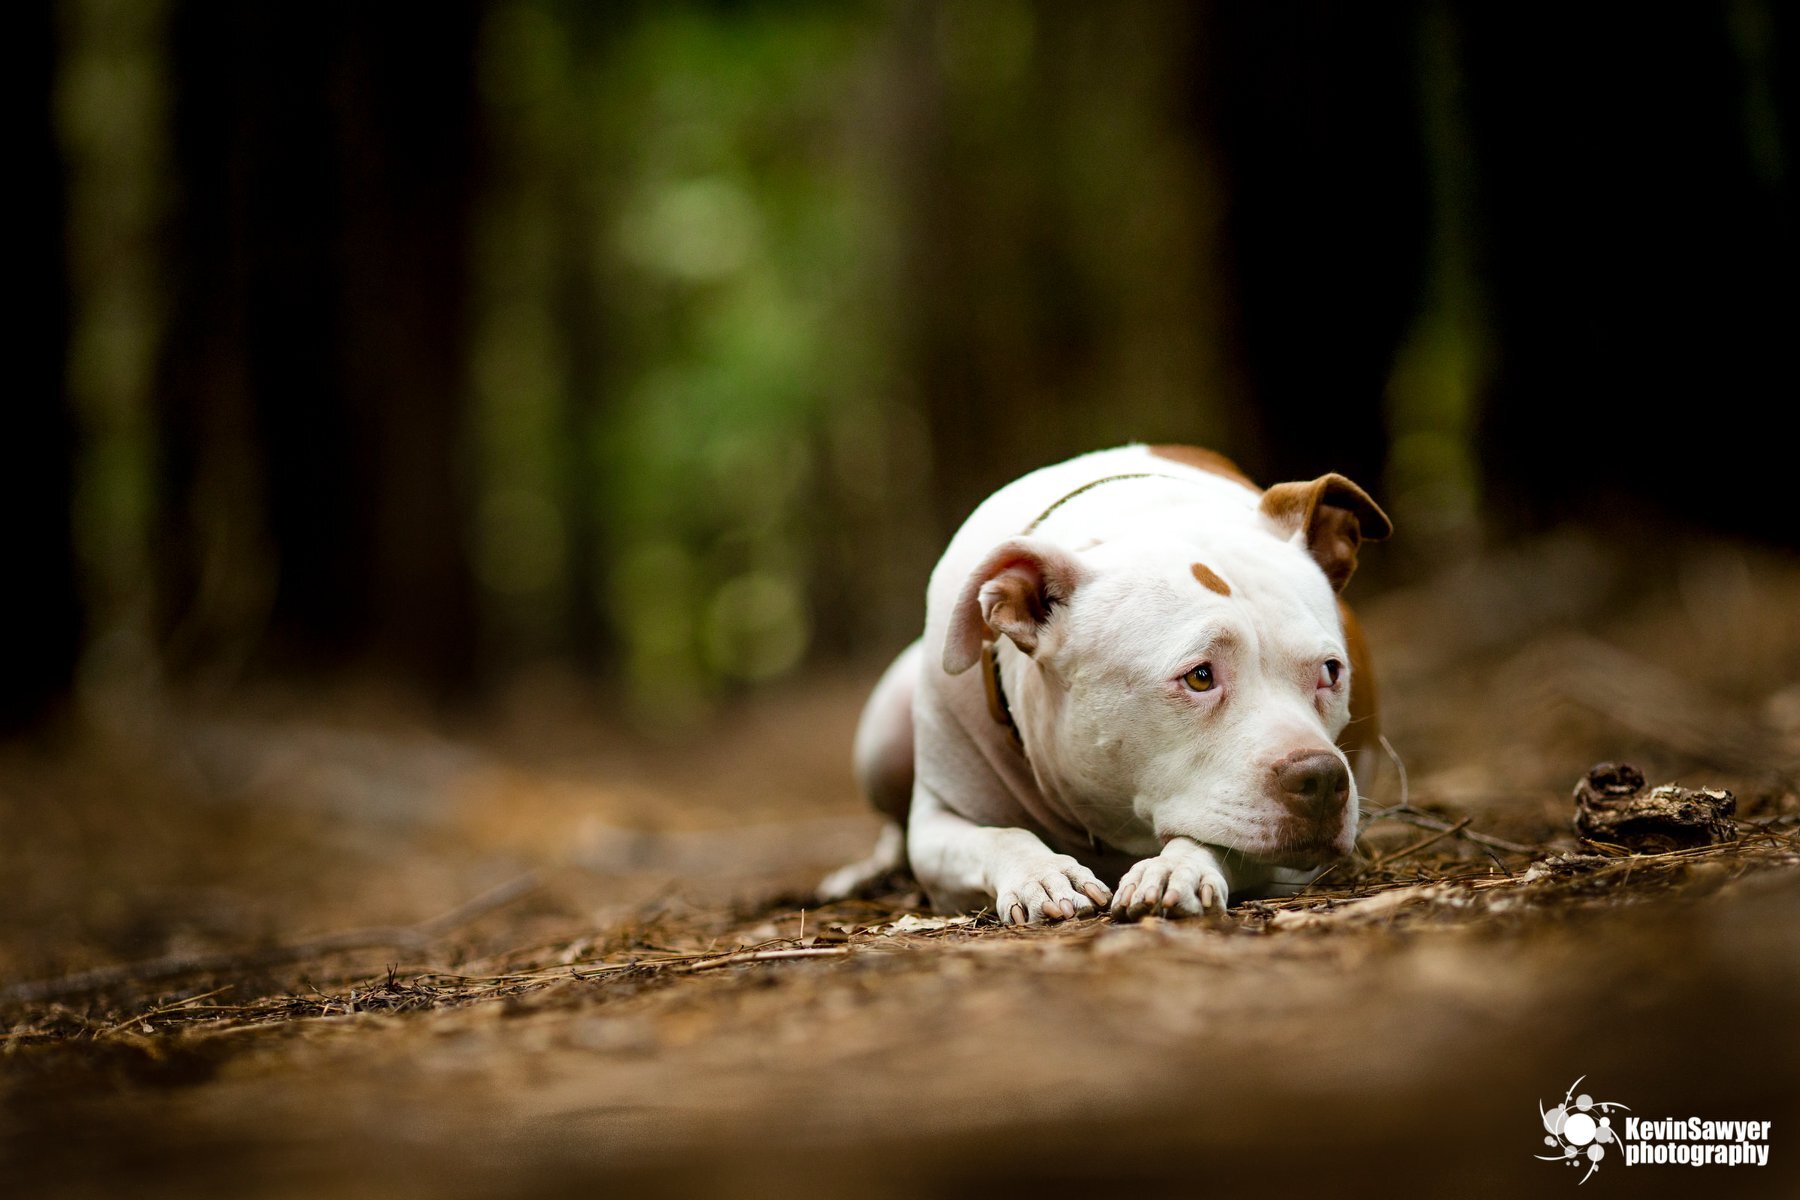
column 884, row 770
column 889, row 855
column 883, row 751
column 1185, row 880
column 965, row 866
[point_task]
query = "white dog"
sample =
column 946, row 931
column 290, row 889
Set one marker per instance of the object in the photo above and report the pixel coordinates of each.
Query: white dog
column 1135, row 672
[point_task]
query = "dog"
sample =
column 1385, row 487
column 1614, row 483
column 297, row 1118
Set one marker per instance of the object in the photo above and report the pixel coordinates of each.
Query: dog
column 1137, row 692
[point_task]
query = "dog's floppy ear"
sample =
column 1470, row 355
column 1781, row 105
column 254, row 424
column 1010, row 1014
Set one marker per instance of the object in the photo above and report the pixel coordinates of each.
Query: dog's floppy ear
column 1336, row 516
column 1013, row 592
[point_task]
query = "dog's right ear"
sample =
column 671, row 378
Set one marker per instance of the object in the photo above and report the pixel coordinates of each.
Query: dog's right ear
column 1335, row 516
column 1013, row 592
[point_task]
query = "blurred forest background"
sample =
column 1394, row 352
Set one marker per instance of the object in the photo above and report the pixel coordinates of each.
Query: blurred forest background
column 471, row 460
column 655, row 349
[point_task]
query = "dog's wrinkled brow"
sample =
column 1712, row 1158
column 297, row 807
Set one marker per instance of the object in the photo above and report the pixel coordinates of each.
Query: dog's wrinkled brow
column 1208, row 643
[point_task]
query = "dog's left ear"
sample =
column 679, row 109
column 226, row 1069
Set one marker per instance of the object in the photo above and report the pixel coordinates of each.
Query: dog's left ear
column 1336, row 517
column 1013, row 593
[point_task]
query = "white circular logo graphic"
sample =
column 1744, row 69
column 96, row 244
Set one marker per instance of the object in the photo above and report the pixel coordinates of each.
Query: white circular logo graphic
column 1579, row 1129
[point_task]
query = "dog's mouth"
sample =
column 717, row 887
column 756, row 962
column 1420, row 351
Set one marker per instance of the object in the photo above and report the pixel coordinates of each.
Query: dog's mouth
column 1305, row 857
column 1295, row 849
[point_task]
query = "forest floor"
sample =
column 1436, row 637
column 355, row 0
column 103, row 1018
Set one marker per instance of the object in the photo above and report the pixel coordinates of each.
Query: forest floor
column 275, row 947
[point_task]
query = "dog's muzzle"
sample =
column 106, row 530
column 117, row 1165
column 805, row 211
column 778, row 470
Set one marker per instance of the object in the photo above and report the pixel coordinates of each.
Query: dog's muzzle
column 1313, row 788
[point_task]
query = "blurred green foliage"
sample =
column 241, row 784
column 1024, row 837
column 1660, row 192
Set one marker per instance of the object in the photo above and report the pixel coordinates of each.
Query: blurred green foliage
column 763, row 297
column 697, row 261
column 674, row 241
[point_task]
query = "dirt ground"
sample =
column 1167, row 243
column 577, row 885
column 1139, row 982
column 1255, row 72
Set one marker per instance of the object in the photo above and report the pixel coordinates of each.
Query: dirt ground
column 264, row 946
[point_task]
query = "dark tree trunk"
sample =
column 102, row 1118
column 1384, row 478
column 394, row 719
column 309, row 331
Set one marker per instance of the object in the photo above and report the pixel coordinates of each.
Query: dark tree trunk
column 579, row 313
column 313, row 388
column 1001, row 328
column 1640, row 251
column 1326, row 224
column 407, row 118
column 37, row 453
column 962, row 261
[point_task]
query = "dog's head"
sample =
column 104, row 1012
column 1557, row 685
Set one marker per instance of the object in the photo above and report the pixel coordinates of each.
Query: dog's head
column 1197, row 678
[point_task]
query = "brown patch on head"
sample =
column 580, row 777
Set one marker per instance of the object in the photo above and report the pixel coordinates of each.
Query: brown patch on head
column 1202, row 459
column 1210, row 580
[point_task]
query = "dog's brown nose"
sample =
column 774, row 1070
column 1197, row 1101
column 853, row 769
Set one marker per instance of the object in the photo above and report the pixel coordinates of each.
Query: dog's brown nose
column 1315, row 785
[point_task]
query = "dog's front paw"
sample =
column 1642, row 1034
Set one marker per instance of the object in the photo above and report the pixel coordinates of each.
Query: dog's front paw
column 1047, row 887
column 1183, row 881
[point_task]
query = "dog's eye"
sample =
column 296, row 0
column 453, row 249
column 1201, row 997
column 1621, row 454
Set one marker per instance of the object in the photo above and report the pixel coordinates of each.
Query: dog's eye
column 1200, row 679
column 1328, row 674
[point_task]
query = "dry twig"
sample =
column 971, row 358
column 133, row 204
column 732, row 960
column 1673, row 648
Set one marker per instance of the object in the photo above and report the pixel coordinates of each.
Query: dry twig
column 1420, row 844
